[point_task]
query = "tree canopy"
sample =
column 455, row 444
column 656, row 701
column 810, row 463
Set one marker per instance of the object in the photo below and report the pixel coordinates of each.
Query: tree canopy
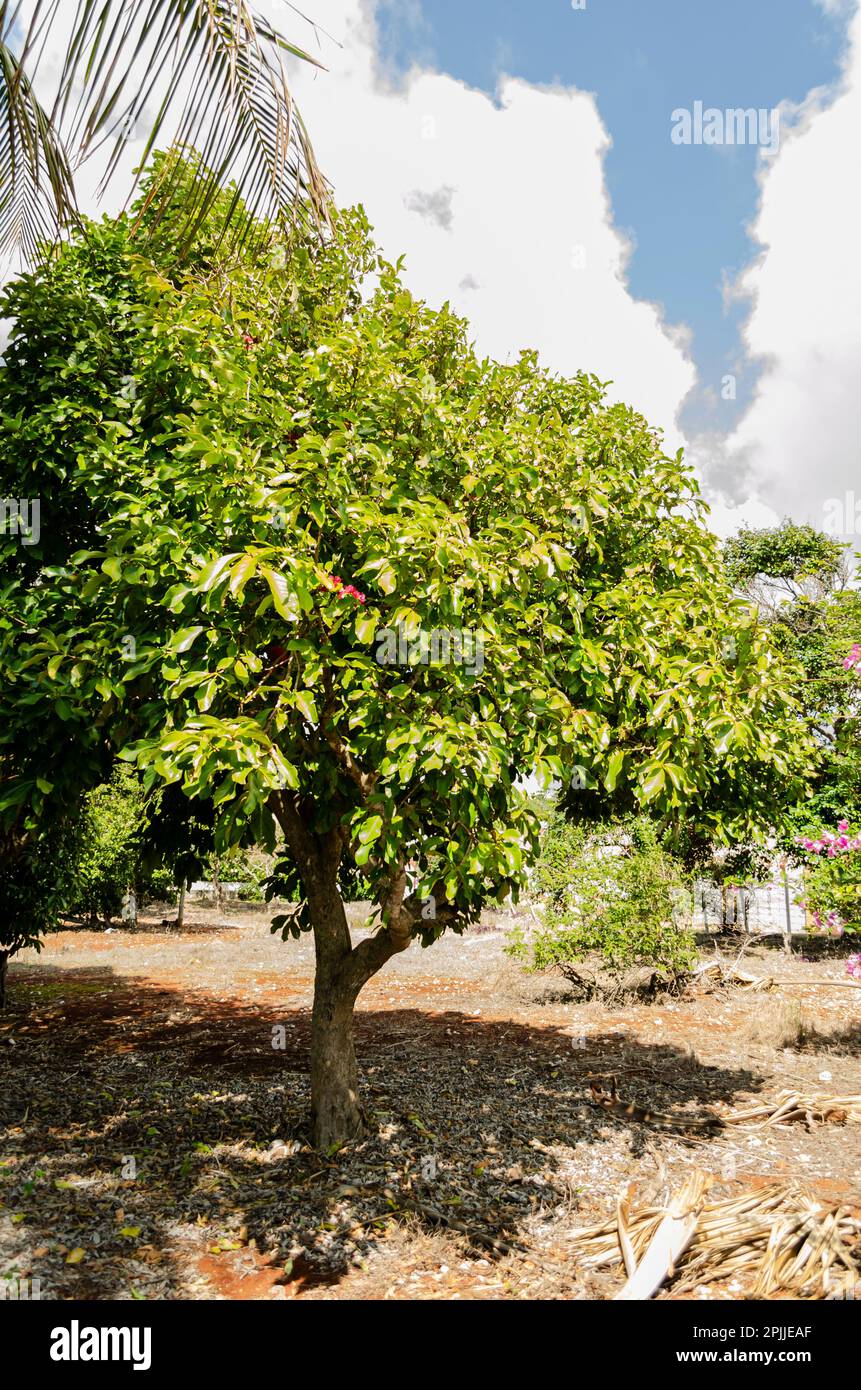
column 800, row 580
column 306, row 554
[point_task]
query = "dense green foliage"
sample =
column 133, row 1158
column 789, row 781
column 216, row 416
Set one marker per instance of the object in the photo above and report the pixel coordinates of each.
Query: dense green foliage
column 113, row 818
column 168, row 426
column 36, row 883
column 610, row 891
column 800, row 580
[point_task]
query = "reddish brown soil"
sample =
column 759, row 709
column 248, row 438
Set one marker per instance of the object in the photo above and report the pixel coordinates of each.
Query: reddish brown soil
column 483, row 1151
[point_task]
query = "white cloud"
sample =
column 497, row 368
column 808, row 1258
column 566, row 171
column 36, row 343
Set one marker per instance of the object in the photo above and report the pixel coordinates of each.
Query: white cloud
column 501, row 207
column 523, row 241
column 725, row 520
column 800, row 440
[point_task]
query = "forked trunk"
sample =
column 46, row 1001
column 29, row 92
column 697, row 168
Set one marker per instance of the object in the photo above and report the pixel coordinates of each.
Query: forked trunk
column 341, row 972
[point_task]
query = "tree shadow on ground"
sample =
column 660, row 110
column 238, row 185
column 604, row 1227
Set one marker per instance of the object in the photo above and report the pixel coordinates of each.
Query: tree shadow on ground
column 140, row 1119
column 150, row 926
column 840, row 1042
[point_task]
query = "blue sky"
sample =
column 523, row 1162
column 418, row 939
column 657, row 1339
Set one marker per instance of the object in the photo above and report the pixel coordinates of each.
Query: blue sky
column 687, row 210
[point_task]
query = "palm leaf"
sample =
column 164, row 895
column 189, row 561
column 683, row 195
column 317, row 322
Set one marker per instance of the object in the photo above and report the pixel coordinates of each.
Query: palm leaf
column 36, row 186
column 216, row 75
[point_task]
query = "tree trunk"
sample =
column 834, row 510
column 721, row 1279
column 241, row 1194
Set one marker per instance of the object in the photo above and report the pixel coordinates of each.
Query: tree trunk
column 787, row 935
column 334, row 1074
column 180, row 906
column 216, row 883
column 341, row 970
column 4, row 961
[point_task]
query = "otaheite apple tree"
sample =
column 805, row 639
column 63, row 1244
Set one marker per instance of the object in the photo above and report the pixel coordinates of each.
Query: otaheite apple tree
column 278, row 470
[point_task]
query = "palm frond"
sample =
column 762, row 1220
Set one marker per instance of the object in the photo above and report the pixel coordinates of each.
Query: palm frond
column 218, row 74
column 215, row 74
column 36, row 186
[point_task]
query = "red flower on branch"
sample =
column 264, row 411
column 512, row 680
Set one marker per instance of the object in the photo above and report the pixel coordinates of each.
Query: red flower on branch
column 334, row 583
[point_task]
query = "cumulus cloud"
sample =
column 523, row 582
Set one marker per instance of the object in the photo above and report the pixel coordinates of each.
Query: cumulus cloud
column 501, row 207
column 797, row 445
column 527, row 246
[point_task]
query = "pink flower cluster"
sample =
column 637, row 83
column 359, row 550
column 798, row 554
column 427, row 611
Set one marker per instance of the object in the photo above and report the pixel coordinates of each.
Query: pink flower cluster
column 343, row 590
column 853, row 967
column 830, row 844
column 854, row 657
column 832, row 925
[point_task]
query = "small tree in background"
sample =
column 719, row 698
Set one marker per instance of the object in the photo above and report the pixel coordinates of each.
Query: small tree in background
column 113, row 818
column 611, row 892
column 176, row 844
column 800, row 580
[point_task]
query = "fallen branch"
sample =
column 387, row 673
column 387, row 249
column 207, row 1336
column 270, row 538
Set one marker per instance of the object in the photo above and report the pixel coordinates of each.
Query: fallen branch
column 716, row 972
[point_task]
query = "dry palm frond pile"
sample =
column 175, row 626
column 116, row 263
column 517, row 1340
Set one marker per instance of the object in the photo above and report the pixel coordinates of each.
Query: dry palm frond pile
column 716, row 974
column 781, row 1240
column 707, row 978
column 789, row 1107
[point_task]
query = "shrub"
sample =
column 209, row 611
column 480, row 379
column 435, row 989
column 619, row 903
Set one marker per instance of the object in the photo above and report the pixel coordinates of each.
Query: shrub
column 112, row 827
column 35, row 881
column 612, row 892
column 832, row 880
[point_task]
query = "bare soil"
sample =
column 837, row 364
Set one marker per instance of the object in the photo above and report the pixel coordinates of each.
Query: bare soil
column 154, row 1099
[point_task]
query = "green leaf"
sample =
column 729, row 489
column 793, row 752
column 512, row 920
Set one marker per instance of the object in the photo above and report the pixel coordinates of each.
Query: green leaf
column 211, row 573
column 653, row 784
column 366, row 627
column 304, row 701
column 285, row 602
column 113, row 567
column 617, row 762
column 241, row 573
column 386, row 579
column 185, row 638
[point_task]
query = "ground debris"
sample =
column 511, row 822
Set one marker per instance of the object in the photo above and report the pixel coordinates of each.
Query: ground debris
column 782, row 1239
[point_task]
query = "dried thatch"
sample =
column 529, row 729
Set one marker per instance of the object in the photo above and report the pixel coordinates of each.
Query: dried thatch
column 781, row 1240
column 791, row 1106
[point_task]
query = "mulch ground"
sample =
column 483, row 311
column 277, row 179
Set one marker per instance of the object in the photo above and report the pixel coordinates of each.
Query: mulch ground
column 154, row 1100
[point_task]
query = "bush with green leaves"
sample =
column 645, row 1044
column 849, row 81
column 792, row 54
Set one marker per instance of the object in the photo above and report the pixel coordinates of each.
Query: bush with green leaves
column 610, row 891
column 113, row 821
column 36, row 880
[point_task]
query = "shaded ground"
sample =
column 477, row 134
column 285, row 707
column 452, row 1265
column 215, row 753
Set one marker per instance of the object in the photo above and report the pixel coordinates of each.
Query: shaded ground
column 154, row 1096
